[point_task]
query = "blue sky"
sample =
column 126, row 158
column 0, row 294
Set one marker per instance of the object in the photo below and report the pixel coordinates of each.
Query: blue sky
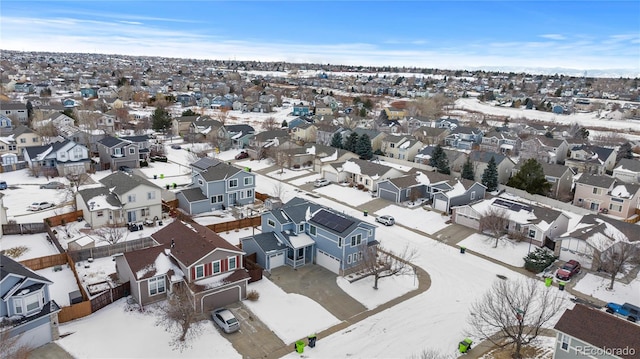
column 435, row 34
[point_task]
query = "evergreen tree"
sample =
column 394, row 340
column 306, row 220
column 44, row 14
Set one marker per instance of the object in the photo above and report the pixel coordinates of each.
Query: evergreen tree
column 352, row 140
column 363, row 147
column 467, row 170
column 625, row 151
column 530, row 178
column 161, row 120
column 439, row 160
column 189, row 112
column 284, row 124
column 490, row 175
column 336, row 140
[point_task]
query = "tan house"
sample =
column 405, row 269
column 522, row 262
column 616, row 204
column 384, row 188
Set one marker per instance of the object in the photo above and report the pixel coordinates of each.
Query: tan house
column 393, row 113
column 430, row 135
column 401, row 147
column 305, row 132
column 323, row 110
column 544, row 149
column 607, row 195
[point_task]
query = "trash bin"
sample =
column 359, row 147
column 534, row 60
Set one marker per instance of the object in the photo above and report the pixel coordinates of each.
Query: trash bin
column 300, row 346
column 463, row 249
column 161, row 176
column 465, row 345
column 155, row 176
column 561, row 285
column 168, row 186
column 174, row 185
column 312, row 340
column 366, row 213
column 548, row 281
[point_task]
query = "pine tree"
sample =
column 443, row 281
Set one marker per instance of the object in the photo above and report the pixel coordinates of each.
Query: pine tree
column 161, row 120
column 336, row 140
column 352, row 140
column 363, row 147
column 530, row 178
column 467, row 170
column 284, row 124
column 490, row 175
column 439, row 160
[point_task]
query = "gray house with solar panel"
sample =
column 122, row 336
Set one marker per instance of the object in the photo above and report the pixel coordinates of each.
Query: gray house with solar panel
column 302, row 232
column 216, row 185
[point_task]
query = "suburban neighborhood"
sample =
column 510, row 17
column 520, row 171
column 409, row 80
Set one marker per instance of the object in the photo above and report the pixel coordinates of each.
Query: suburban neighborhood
column 268, row 210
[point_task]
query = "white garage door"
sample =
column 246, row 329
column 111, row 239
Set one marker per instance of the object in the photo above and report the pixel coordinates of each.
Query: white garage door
column 333, row 177
column 276, row 260
column 440, row 205
column 328, row 261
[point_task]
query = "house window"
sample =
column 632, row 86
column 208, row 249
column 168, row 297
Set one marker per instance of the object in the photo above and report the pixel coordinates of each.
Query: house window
column 63, row 155
column 596, row 190
column 356, row 240
column 392, row 145
column 200, row 182
column 473, row 195
column 233, row 183
column 145, row 212
column 17, row 306
column 232, row 263
column 23, row 140
column 29, row 304
column 77, row 152
column 271, row 222
column 532, row 233
column 216, row 267
column 12, row 147
column 349, row 259
column 312, row 230
column 100, row 213
column 216, row 199
column 200, row 271
column 132, row 150
column 615, row 207
column 339, row 242
column 360, row 255
column 151, row 195
column 564, row 340
column 156, row 285
column 248, row 181
column 301, row 228
column 117, row 151
column 249, row 193
column 131, row 198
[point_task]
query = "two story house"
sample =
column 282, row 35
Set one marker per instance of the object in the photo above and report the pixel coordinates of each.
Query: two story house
column 260, row 142
column 302, row 232
column 606, row 194
column 430, row 135
column 456, row 158
column 216, row 185
column 464, row 138
column 16, row 111
column 305, row 132
column 544, row 149
column 65, row 157
column 591, row 159
column 500, row 142
column 122, row 198
column 585, row 332
column 401, row 147
column 540, row 225
column 189, row 255
column 560, row 177
column 115, row 152
column 480, row 161
column 26, row 307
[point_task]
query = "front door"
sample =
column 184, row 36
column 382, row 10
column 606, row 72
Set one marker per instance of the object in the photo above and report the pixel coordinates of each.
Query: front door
column 131, row 216
column 232, row 199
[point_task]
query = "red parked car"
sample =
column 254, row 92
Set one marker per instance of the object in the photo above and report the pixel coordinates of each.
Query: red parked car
column 568, row 270
column 242, row 155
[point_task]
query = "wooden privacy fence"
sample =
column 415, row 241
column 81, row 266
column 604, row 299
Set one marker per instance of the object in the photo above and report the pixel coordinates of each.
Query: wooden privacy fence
column 237, row 224
column 261, row 196
column 107, row 251
column 74, row 311
column 23, row 228
column 45, row 262
column 109, row 296
column 66, row 218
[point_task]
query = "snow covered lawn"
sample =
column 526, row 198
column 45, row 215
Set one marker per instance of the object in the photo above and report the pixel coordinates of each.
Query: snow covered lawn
column 305, row 180
column 36, row 245
column 114, row 332
column 255, row 164
column 596, row 286
column 287, row 173
column 417, row 218
column 290, row 316
column 507, row 251
column 388, row 288
column 352, row 195
column 64, row 282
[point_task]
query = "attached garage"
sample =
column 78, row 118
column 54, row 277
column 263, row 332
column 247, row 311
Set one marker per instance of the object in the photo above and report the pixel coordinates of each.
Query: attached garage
column 440, row 204
column 275, row 260
column 331, row 176
column 328, row 261
column 388, row 195
column 465, row 220
column 221, row 298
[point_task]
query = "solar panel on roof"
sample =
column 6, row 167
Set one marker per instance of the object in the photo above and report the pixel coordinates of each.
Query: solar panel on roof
column 332, row 221
column 516, row 207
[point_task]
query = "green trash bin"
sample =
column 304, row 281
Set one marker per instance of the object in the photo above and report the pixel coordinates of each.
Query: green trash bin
column 465, row 345
column 366, row 213
column 300, row 346
column 548, row 281
column 463, row 249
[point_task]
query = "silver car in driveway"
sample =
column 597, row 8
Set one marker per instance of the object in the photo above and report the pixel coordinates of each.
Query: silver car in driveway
column 321, row 182
column 225, row 320
column 386, row 220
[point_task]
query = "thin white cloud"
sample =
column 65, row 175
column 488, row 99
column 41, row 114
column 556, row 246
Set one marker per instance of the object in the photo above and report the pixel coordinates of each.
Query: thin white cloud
column 130, row 22
column 553, row 36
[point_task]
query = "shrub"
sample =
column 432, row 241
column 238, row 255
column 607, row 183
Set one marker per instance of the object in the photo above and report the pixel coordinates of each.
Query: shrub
column 360, row 186
column 253, row 295
column 296, row 166
column 539, row 259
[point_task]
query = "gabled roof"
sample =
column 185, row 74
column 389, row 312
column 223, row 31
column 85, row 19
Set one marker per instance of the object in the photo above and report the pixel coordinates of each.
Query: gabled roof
column 110, row 141
column 191, row 241
column 90, row 194
column 142, row 261
column 139, row 138
column 600, row 329
column 121, row 182
column 245, row 129
column 628, row 164
column 592, row 226
column 485, row 157
column 549, row 169
column 213, row 170
column 600, row 181
column 10, row 267
column 364, row 167
column 21, row 130
column 601, row 153
column 268, row 135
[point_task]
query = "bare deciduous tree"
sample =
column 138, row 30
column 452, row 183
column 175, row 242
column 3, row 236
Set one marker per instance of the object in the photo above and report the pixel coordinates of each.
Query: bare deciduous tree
column 270, row 123
column 112, row 233
column 513, row 312
column 382, row 263
column 75, row 182
column 178, row 315
column 613, row 253
column 494, row 222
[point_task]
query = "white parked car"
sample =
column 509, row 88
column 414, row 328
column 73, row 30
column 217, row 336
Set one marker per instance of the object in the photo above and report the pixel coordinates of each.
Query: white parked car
column 321, row 182
column 225, row 320
column 386, row 220
column 38, row 206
